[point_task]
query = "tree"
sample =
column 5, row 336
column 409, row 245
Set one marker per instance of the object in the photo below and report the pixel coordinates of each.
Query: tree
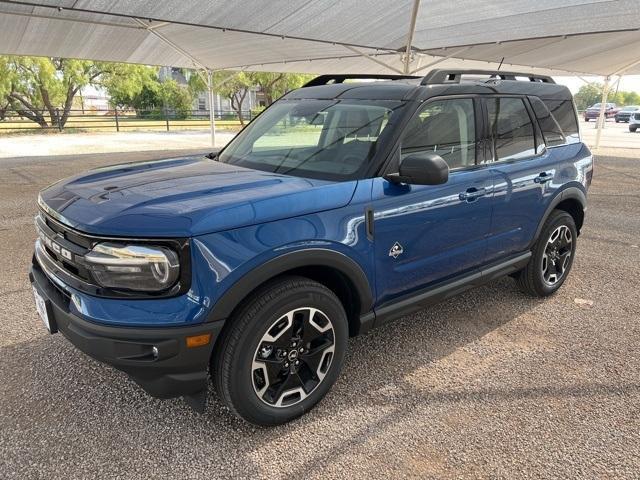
column 176, row 98
column 38, row 88
column 273, row 85
column 133, row 86
column 142, row 90
column 5, row 86
column 269, row 83
column 588, row 94
column 628, row 98
column 43, row 89
column 235, row 86
column 591, row 93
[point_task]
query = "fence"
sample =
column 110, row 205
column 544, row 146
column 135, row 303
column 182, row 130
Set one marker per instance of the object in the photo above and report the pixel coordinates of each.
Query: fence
column 122, row 120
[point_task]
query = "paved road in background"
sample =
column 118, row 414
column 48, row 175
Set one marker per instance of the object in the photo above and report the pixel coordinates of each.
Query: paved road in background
column 489, row 384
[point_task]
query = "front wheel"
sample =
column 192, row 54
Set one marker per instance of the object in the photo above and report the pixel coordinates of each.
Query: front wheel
column 632, row 129
column 283, row 351
column 552, row 256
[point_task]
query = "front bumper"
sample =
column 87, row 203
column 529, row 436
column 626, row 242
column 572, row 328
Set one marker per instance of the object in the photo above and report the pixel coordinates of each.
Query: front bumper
column 176, row 370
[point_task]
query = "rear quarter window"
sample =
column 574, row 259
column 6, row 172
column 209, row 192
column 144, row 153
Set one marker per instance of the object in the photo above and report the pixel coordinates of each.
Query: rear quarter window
column 557, row 119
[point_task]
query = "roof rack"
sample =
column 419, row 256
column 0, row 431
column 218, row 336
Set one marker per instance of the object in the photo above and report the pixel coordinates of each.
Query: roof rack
column 455, row 76
column 327, row 79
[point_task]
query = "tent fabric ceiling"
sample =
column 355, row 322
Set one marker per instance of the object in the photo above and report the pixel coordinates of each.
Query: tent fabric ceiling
column 598, row 37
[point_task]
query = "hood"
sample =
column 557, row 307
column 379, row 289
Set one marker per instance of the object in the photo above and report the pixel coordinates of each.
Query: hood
column 185, row 197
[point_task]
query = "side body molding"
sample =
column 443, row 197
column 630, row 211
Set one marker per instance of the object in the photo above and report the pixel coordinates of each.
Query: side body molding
column 315, row 257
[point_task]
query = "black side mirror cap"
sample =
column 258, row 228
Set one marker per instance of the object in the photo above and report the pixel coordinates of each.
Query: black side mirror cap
column 421, row 168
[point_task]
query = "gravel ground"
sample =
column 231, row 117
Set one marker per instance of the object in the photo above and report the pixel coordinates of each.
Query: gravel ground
column 489, row 384
column 52, row 143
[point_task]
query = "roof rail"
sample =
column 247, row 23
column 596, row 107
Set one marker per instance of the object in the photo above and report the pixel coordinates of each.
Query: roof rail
column 327, row 79
column 454, row 76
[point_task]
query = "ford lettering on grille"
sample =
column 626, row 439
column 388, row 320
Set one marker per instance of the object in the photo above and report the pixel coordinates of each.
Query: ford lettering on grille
column 53, row 245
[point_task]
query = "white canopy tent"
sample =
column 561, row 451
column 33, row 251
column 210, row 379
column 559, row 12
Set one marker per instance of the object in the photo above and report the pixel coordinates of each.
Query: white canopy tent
column 556, row 37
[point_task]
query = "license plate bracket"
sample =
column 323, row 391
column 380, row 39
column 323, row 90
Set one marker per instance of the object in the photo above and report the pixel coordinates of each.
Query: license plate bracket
column 43, row 307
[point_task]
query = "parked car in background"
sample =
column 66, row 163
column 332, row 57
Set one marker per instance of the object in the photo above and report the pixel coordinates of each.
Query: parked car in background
column 593, row 111
column 624, row 114
column 634, row 121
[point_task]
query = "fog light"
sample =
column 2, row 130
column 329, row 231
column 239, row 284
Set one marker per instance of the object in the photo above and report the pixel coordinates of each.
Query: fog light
column 155, row 352
column 198, row 340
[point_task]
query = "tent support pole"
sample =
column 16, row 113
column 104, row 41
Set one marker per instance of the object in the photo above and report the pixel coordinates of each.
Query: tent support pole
column 372, row 58
column 166, row 41
column 208, row 79
column 212, row 117
column 603, row 107
column 605, row 92
column 440, row 60
column 412, row 29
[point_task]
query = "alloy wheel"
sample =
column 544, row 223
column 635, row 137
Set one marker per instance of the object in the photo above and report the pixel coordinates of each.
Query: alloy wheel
column 293, row 357
column 557, row 255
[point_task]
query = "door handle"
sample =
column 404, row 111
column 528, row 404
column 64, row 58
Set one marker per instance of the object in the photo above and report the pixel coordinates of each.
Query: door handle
column 543, row 177
column 472, row 194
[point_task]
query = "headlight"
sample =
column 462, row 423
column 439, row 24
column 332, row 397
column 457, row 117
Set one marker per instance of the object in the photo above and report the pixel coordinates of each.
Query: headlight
column 133, row 267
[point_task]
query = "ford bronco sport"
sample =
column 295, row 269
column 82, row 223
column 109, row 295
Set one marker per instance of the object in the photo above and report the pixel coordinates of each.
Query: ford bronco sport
column 344, row 205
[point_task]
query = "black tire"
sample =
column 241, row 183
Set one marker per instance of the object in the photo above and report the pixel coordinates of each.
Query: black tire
column 632, row 129
column 241, row 348
column 586, row 119
column 535, row 279
column 617, row 121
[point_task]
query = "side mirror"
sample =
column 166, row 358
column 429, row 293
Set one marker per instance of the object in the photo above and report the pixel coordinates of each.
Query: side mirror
column 421, row 169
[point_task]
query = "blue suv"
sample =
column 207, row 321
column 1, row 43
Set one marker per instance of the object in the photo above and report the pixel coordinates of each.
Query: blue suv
column 344, row 205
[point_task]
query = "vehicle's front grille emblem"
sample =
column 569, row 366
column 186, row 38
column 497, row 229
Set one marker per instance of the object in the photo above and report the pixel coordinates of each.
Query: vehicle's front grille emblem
column 396, row 250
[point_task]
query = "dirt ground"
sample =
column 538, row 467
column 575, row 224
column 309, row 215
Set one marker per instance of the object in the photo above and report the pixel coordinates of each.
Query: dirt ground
column 491, row 384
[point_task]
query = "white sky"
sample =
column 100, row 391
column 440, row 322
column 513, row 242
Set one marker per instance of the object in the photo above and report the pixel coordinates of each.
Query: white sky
column 629, row 83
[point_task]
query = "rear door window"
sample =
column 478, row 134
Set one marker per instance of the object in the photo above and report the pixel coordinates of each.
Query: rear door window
column 511, row 128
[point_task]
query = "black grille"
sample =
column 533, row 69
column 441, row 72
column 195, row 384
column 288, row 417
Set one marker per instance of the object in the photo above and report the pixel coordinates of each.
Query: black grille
column 64, row 247
column 65, row 232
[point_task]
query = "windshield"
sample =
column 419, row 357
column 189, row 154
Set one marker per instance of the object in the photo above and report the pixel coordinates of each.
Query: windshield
column 326, row 139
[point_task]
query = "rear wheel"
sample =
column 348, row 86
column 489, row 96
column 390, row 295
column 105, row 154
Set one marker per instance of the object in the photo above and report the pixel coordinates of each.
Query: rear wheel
column 632, row 128
column 283, row 352
column 552, row 256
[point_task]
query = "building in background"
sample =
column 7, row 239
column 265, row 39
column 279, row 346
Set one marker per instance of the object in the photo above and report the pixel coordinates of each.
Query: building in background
column 221, row 105
column 91, row 100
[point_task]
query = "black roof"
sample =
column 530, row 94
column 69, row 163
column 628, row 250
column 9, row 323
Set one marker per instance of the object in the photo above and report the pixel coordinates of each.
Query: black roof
column 421, row 88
